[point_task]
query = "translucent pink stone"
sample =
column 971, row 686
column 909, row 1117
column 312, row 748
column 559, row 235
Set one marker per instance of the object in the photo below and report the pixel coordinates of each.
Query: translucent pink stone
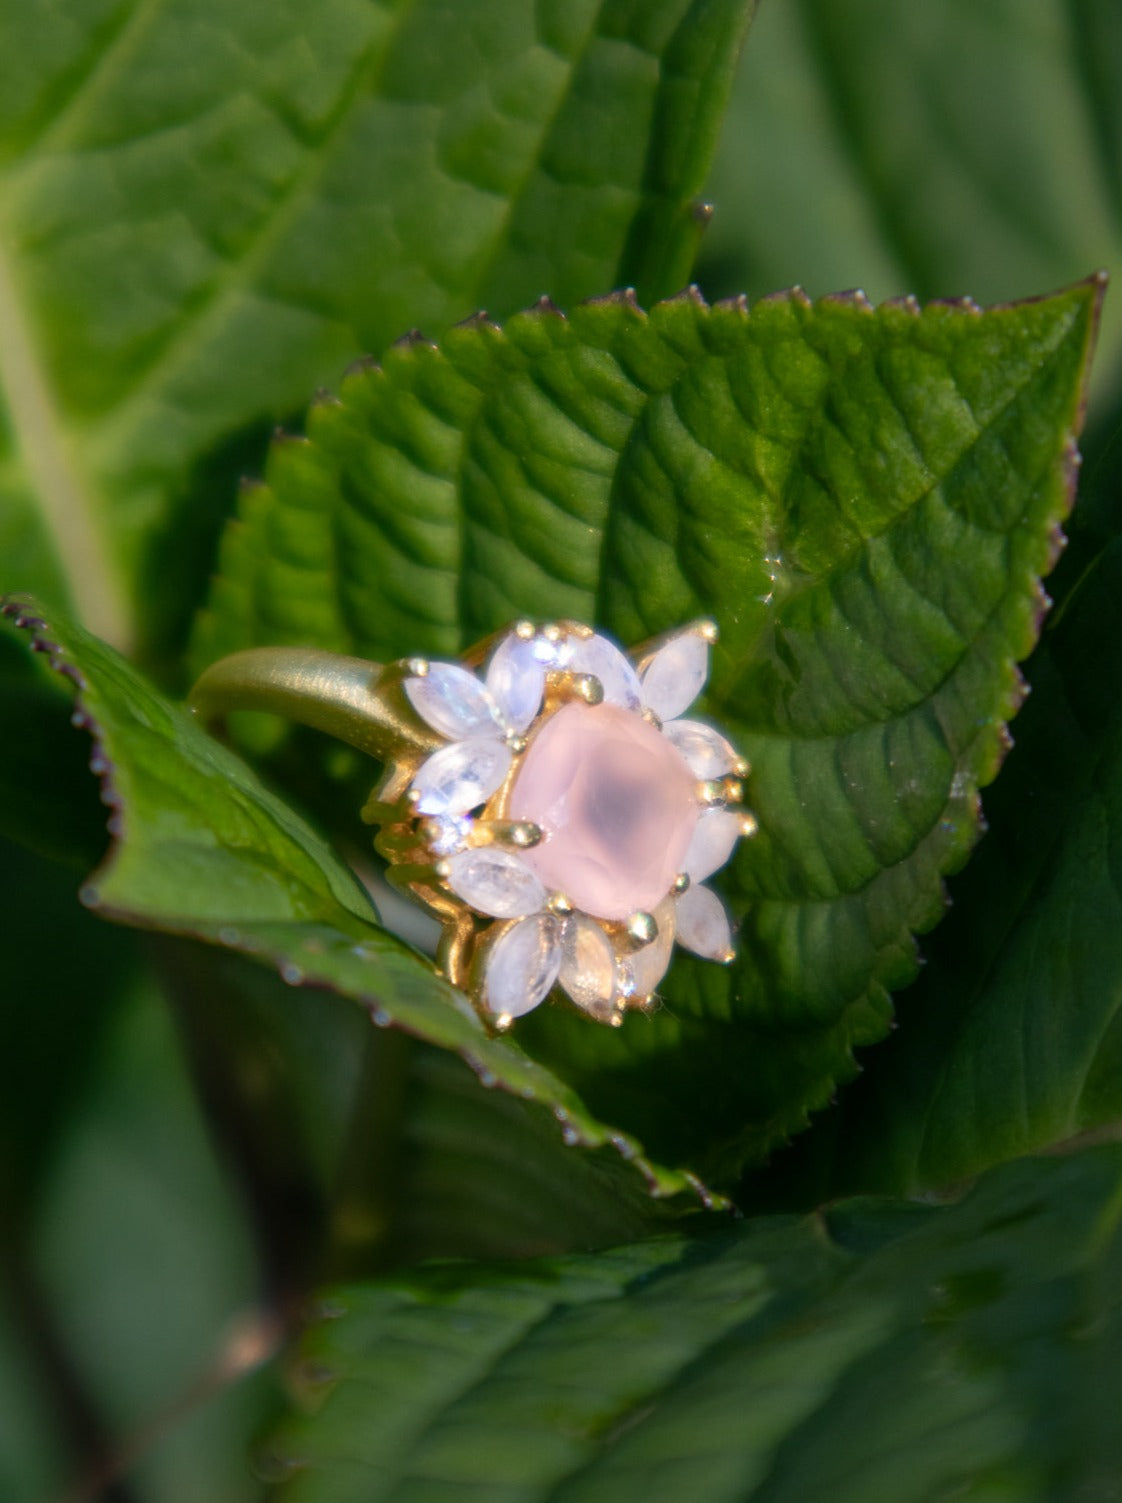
column 616, row 802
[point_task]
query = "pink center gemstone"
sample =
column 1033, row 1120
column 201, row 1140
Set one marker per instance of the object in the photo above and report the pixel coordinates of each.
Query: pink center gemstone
column 617, row 805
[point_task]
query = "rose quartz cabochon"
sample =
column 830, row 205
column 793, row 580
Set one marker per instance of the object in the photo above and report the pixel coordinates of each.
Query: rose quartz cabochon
column 617, row 804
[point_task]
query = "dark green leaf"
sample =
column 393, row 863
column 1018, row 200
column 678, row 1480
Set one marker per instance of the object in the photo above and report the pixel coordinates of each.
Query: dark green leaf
column 202, row 848
column 863, row 500
column 207, row 209
column 1012, row 1038
column 879, row 1351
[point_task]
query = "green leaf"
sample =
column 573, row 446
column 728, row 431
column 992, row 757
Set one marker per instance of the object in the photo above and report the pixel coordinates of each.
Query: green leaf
column 206, row 210
column 949, row 148
column 862, row 499
column 1012, row 1038
column 878, row 1350
column 201, row 848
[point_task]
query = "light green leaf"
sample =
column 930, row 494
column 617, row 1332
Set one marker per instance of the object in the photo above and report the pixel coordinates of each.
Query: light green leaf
column 207, row 209
column 201, row 848
column 877, row 1350
column 864, row 502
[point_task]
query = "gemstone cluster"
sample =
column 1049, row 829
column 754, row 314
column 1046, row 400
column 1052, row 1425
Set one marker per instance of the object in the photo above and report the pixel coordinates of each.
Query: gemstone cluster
column 564, row 829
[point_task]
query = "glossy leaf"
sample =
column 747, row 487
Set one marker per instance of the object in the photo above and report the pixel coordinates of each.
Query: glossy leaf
column 206, row 210
column 877, row 1350
column 201, row 848
column 1012, row 1038
column 862, row 499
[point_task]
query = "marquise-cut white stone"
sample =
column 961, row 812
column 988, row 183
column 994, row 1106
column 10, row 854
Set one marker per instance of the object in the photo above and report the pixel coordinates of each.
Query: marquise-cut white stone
column 522, row 965
column 495, row 882
column 703, row 924
column 588, row 965
column 454, row 702
column 603, row 659
column 714, row 837
column 516, row 678
column 460, row 776
column 706, row 752
column 648, row 965
column 676, row 675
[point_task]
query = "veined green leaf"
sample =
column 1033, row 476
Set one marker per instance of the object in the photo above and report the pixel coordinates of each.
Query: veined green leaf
column 864, row 501
column 207, row 209
column 1011, row 1039
column 877, row 1350
column 202, row 848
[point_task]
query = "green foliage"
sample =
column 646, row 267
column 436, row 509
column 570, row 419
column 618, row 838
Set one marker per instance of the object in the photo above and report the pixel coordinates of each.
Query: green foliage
column 933, row 1349
column 862, row 500
column 202, row 848
column 208, row 212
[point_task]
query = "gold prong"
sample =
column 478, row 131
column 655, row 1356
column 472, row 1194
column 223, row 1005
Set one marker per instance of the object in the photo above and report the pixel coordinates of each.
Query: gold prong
column 650, row 717
column 749, row 825
column 563, row 685
column 552, row 632
column 708, row 629
column 442, row 869
column 418, row 667
column 503, row 1022
column 519, row 834
column 742, row 767
column 616, row 1020
column 524, row 629
column 711, row 791
column 516, row 743
column 727, row 957
column 559, row 904
column 681, row 884
column 641, row 928
column 733, row 790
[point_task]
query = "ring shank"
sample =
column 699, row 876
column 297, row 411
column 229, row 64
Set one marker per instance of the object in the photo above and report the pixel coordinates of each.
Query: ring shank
column 344, row 696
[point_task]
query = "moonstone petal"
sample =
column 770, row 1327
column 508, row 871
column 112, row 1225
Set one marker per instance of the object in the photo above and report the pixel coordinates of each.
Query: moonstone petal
column 676, row 675
column 707, row 754
column 495, row 882
column 703, row 924
column 460, row 776
column 516, row 678
column 454, row 702
column 717, row 832
column 603, row 659
column 588, row 965
column 616, row 803
column 522, row 966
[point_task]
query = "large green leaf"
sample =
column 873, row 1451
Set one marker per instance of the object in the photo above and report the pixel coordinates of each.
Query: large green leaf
column 863, row 500
column 201, row 848
column 877, row 1350
column 968, row 146
column 208, row 208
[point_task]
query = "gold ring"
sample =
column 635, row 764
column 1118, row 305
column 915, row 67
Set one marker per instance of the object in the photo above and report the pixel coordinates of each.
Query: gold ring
column 547, row 798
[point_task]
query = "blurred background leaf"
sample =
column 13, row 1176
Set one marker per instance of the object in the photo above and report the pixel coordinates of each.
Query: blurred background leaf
column 207, row 212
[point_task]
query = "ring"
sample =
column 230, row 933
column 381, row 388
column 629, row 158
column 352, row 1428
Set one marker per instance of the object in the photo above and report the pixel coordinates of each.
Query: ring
column 547, row 798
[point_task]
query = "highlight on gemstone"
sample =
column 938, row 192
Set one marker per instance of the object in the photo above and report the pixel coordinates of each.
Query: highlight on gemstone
column 565, row 829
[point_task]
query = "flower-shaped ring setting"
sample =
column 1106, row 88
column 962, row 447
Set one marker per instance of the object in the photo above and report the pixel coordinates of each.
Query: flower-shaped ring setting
column 548, row 798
